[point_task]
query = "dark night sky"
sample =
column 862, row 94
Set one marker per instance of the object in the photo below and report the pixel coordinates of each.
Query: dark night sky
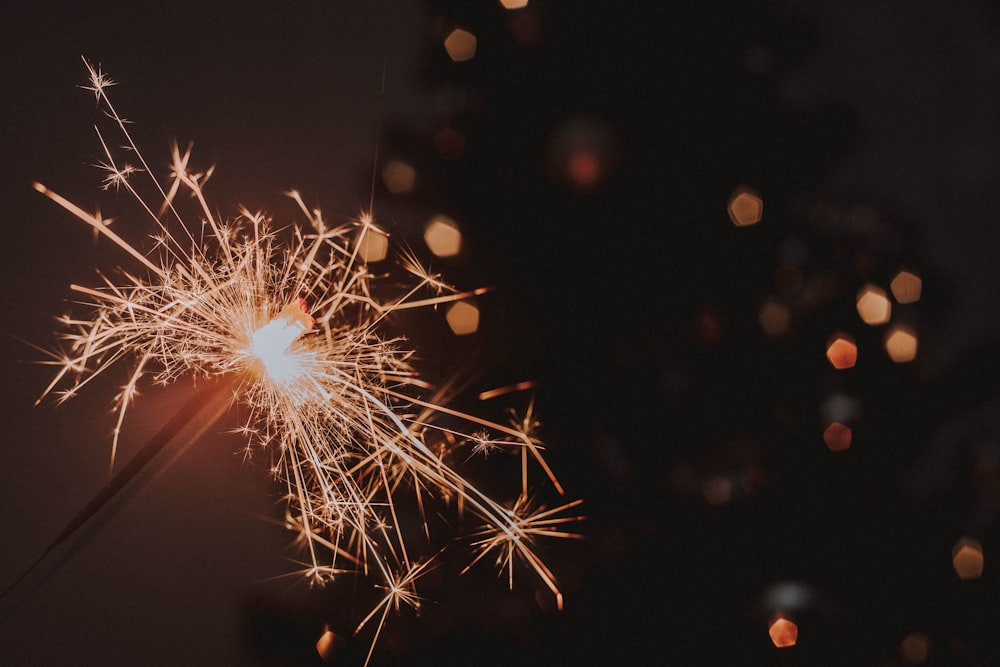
column 871, row 132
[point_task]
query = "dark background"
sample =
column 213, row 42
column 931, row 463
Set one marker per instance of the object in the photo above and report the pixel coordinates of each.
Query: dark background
column 871, row 132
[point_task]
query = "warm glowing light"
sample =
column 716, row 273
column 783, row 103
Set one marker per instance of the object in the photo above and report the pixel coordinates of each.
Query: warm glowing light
column 460, row 45
column 901, row 344
column 837, row 437
column 443, row 237
column 914, row 649
column 873, row 305
column 329, row 644
column 514, row 4
column 399, row 177
column 745, row 207
column 463, row 318
column 774, row 318
column 373, row 244
column 842, row 351
column 583, row 170
column 328, row 392
column 270, row 344
column 783, row 632
column 967, row 559
column 449, row 144
column 906, row 287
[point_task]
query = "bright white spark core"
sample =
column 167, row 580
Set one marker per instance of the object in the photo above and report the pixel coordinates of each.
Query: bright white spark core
column 332, row 398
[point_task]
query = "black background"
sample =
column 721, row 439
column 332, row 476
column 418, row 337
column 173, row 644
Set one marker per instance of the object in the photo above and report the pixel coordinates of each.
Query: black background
column 870, row 131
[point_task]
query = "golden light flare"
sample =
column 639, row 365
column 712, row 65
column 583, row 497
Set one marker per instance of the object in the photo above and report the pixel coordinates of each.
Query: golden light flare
column 463, row 318
column 967, row 559
column 745, row 207
column 842, row 351
column 299, row 323
column 901, row 344
column 460, row 45
column 873, row 305
column 837, row 437
column 443, row 237
column 906, row 287
column 783, row 632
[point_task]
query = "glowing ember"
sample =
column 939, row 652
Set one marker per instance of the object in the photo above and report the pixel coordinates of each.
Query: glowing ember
column 837, row 437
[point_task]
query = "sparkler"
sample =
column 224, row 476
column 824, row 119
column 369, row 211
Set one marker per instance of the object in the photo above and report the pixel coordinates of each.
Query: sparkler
column 296, row 319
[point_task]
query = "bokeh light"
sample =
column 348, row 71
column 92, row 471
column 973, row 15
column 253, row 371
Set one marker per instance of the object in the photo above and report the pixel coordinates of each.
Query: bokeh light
column 329, row 644
column 463, row 318
column 514, row 4
column 745, row 207
column 901, row 344
column 783, row 632
column 774, row 318
column 914, row 649
column 460, row 45
column 399, row 177
column 906, row 287
column 842, row 351
column 442, row 236
column 967, row 559
column 837, row 437
column 873, row 305
column 374, row 245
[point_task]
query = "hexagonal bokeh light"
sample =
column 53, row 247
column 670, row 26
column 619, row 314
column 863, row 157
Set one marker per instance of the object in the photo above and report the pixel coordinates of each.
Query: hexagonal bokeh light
column 399, row 177
column 460, row 45
column 374, row 245
column 842, row 351
column 442, row 236
column 463, row 318
column 873, row 305
column 784, row 632
column 967, row 559
column 745, row 207
column 837, row 437
column 901, row 344
column 914, row 649
column 906, row 287
column 514, row 4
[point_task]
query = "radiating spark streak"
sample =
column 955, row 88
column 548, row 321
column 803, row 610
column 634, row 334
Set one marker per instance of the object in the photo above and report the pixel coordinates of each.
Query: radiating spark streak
column 302, row 327
column 501, row 391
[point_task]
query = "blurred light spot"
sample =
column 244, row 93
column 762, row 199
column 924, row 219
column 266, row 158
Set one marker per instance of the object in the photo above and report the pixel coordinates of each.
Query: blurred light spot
column 581, row 153
column 873, row 305
column 783, row 632
column 842, row 351
column 398, row 177
column 460, row 45
column 463, row 318
column 449, row 144
column 837, row 437
column 901, row 344
column 840, row 407
column 442, row 236
column 329, row 644
column 745, row 207
column 914, row 648
column 774, row 318
column 967, row 559
column 717, row 490
column 906, row 287
column 373, row 245
column 514, row 4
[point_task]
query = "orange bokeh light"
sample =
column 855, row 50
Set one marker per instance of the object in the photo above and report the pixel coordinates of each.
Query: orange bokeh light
column 774, row 318
column 837, row 437
column 914, row 648
column 373, row 244
column 514, row 4
column 329, row 644
column 463, row 318
column 967, row 559
column 901, row 344
column 873, row 305
column 906, row 287
column 783, row 632
column 399, row 177
column 443, row 237
column 842, row 351
column 745, row 207
column 460, row 45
